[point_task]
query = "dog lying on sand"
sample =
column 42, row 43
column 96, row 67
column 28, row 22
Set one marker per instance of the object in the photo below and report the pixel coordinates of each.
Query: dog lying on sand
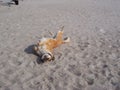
column 44, row 48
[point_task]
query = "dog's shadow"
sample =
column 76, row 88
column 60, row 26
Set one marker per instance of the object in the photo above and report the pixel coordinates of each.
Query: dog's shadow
column 29, row 50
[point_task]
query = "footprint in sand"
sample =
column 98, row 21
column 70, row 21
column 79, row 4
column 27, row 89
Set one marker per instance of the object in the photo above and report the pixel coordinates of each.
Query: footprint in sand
column 74, row 70
column 83, row 45
column 59, row 56
column 67, row 51
column 118, row 73
column 90, row 81
column 1, row 53
column 1, row 84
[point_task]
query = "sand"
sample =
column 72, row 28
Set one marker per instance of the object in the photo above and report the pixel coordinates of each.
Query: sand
column 91, row 61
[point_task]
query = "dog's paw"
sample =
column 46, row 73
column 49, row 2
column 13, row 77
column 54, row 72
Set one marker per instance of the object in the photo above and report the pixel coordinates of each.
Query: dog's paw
column 67, row 39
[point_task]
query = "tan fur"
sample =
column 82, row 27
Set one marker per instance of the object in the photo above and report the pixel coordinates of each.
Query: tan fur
column 48, row 44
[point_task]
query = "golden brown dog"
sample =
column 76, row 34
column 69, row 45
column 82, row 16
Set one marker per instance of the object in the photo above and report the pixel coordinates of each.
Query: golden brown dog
column 44, row 48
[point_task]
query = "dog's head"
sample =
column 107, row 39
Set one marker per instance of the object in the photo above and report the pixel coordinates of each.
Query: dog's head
column 43, row 53
column 47, row 57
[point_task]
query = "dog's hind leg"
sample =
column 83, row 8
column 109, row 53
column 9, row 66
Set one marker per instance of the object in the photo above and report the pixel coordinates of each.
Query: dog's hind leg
column 59, row 35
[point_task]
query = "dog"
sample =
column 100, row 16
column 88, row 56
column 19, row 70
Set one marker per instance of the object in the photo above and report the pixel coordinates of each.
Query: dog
column 44, row 48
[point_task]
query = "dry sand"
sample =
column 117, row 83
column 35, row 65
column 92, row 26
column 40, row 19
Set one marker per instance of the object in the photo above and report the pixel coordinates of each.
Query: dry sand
column 90, row 62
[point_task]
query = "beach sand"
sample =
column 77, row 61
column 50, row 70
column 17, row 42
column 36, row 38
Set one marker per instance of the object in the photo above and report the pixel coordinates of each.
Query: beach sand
column 91, row 61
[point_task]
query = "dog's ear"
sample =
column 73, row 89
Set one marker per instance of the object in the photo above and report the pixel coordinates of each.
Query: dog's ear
column 35, row 48
column 38, row 43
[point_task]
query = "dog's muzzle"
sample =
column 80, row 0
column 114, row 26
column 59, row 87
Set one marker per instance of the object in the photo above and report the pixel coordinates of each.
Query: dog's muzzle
column 47, row 57
column 43, row 54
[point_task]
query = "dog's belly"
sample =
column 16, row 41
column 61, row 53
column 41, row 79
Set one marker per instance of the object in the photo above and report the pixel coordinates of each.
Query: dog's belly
column 49, row 43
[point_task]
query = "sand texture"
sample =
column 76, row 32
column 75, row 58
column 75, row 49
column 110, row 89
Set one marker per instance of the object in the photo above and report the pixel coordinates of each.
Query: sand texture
column 91, row 61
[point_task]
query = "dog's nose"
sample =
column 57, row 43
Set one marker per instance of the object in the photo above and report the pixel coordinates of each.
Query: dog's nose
column 46, row 57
